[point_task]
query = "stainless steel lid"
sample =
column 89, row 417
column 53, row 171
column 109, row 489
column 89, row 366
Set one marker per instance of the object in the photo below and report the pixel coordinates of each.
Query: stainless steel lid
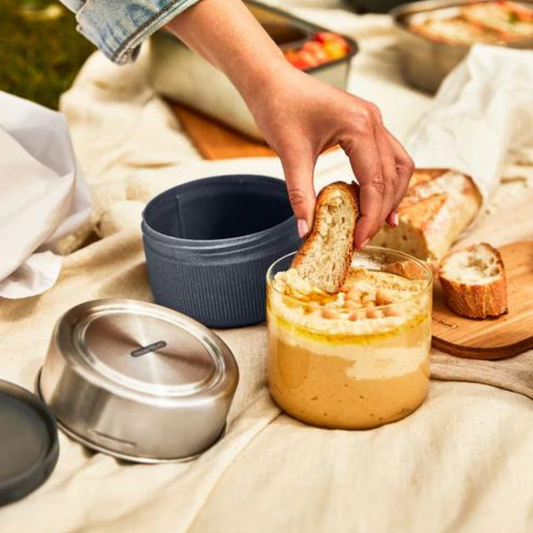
column 145, row 348
column 137, row 380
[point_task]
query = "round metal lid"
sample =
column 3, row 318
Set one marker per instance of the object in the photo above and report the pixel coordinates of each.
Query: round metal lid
column 144, row 347
column 29, row 447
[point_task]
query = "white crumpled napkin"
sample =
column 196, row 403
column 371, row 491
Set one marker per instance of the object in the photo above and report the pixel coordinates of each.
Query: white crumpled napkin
column 481, row 118
column 42, row 195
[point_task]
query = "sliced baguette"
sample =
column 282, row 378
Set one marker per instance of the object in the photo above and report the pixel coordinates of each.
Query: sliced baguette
column 325, row 258
column 474, row 281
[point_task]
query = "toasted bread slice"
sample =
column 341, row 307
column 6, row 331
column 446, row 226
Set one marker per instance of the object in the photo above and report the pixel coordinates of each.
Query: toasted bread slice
column 325, row 257
column 474, row 281
column 438, row 206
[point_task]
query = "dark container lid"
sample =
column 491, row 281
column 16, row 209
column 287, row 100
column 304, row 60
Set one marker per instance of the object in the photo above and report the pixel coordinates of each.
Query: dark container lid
column 29, row 446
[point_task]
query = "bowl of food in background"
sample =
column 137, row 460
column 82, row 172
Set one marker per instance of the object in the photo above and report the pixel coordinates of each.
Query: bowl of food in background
column 435, row 36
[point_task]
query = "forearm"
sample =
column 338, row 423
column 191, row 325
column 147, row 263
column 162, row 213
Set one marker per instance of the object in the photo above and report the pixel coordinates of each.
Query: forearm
column 299, row 115
column 226, row 34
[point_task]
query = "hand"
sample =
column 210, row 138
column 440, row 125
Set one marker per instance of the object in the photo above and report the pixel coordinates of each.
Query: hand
column 301, row 117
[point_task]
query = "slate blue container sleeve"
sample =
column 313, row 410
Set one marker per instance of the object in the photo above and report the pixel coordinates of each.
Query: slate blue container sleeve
column 218, row 276
column 118, row 27
column 220, row 292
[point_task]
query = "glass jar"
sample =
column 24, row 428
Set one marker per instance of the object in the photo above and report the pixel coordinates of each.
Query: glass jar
column 357, row 359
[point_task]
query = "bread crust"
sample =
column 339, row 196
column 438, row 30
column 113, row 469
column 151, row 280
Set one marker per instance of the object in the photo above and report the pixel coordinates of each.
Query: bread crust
column 423, row 175
column 351, row 191
column 437, row 207
column 476, row 300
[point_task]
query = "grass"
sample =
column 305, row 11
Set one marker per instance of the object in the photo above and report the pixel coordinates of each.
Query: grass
column 40, row 49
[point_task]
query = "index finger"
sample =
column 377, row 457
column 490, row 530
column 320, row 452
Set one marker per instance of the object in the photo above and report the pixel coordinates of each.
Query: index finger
column 366, row 165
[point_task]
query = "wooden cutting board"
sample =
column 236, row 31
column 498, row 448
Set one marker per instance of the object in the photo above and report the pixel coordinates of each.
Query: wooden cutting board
column 492, row 338
column 216, row 141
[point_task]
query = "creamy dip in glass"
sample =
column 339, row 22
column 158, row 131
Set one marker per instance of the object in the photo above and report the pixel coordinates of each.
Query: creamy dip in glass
column 357, row 359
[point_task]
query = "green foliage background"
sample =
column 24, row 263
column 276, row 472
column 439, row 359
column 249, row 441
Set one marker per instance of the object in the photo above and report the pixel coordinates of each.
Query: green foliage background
column 39, row 59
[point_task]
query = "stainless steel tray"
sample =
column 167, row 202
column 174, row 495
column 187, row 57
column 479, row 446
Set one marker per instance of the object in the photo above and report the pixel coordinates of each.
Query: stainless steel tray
column 425, row 62
column 179, row 74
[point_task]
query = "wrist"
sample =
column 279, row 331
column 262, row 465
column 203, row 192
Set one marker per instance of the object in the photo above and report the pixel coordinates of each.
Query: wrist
column 262, row 76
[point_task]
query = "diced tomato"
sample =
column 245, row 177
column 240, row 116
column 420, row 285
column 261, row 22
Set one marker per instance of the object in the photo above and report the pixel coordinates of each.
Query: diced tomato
column 335, row 50
column 308, row 58
column 299, row 64
column 324, row 47
column 325, row 36
column 317, row 50
column 328, row 37
column 311, row 46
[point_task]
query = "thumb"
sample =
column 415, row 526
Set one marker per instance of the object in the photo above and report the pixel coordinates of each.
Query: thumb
column 299, row 180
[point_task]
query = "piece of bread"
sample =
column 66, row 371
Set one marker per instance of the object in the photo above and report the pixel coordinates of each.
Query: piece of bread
column 438, row 206
column 326, row 255
column 474, row 281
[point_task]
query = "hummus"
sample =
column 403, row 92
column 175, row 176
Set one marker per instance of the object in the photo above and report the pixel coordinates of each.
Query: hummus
column 355, row 359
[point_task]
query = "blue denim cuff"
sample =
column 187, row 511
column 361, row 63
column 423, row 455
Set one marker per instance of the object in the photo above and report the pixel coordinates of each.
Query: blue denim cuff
column 118, row 27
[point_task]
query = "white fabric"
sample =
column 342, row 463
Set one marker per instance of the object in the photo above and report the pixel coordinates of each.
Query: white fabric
column 42, row 196
column 481, row 117
column 461, row 463
column 38, row 273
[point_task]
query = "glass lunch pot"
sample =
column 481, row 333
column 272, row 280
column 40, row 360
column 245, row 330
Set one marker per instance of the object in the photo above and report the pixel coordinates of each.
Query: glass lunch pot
column 358, row 359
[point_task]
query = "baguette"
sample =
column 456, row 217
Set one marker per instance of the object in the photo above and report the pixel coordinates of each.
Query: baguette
column 437, row 207
column 326, row 256
column 474, row 281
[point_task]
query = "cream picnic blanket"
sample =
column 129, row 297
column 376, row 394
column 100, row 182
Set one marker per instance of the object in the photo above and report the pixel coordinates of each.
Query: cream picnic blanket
column 461, row 463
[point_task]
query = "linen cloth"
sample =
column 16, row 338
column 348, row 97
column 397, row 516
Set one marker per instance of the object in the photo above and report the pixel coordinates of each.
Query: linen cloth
column 42, row 195
column 481, row 117
column 461, row 463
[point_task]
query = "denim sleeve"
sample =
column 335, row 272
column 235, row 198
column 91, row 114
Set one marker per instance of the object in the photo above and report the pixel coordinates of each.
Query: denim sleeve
column 118, row 27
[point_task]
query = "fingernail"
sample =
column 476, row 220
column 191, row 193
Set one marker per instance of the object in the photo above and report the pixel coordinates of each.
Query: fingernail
column 395, row 219
column 303, row 228
column 364, row 243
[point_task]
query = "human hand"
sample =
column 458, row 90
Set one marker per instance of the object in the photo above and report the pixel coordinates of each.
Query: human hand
column 301, row 117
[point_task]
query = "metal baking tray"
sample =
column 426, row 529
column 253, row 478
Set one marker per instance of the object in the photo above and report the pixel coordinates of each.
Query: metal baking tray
column 426, row 62
column 180, row 75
